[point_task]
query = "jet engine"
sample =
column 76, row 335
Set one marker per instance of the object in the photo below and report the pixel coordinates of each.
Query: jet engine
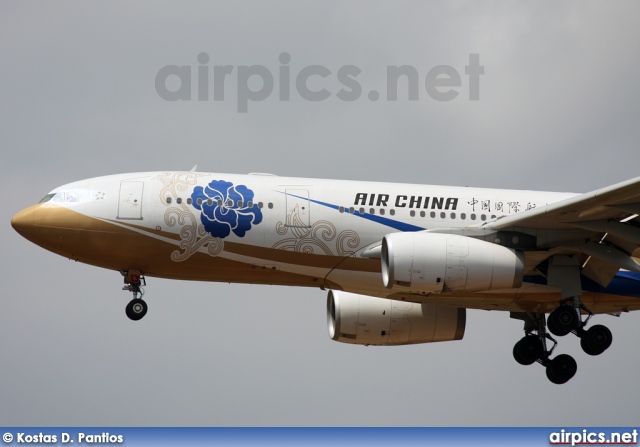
column 435, row 263
column 366, row 320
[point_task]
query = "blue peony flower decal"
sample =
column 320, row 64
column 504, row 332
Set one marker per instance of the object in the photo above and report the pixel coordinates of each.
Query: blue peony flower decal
column 226, row 208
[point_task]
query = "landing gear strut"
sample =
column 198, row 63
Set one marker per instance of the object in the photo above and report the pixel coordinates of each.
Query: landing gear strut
column 133, row 282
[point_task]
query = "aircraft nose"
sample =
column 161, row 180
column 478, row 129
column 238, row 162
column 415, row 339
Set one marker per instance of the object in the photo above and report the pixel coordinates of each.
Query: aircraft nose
column 22, row 222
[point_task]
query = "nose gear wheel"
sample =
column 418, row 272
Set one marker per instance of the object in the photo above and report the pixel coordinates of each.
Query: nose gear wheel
column 136, row 309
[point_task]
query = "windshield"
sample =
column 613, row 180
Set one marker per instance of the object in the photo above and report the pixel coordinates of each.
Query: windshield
column 60, row 197
column 47, row 198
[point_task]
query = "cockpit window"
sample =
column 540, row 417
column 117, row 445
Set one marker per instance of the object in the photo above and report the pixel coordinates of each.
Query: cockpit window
column 61, row 197
column 47, row 198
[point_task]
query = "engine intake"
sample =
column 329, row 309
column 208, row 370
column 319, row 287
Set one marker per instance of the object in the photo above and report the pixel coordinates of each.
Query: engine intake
column 437, row 263
column 366, row 320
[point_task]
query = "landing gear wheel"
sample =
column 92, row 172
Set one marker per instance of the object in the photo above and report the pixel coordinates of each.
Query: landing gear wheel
column 528, row 350
column 563, row 320
column 561, row 369
column 596, row 340
column 136, row 309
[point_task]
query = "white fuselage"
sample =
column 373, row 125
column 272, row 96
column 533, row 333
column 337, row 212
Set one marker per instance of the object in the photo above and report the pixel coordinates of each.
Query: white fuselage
column 266, row 229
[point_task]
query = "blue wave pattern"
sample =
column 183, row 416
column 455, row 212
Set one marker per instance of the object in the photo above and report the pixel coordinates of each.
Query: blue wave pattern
column 221, row 211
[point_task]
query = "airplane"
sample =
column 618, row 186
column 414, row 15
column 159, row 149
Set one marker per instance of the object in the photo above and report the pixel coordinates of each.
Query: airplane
column 401, row 262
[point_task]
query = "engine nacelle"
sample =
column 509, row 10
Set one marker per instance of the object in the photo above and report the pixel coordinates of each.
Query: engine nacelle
column 435, row 263
column 366, row 320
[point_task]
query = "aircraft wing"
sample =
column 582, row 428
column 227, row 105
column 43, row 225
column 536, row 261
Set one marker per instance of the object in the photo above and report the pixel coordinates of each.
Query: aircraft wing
column 617, row 202
column 600, row 224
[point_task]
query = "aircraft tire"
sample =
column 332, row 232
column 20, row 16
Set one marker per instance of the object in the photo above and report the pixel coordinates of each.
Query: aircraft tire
column 562, row 320
column 518, row 358
column 561, row 369
column 596, row 340
column 136, row 309
column 528, row 349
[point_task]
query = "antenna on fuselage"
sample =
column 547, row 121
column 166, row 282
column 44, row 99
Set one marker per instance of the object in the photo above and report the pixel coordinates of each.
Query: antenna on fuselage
column 194, row 168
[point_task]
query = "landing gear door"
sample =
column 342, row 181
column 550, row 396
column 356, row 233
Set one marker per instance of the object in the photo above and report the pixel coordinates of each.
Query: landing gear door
column 130, row 201
column 298, row 208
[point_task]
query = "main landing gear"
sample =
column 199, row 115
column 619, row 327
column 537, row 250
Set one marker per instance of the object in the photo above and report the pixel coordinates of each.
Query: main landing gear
column 133, row 282
column 532, row 348
column 563, row 320
column 562, row 272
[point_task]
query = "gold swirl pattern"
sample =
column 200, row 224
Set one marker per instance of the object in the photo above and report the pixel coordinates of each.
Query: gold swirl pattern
column 316, row 239
column 193, row 235
column 178, row 181
column 351, row 239
column 281, row 229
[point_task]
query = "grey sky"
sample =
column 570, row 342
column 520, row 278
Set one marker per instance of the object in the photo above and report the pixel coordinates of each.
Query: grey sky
column 558, row 110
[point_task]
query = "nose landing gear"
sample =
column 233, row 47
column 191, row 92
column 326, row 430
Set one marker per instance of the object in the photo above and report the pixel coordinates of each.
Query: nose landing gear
column 133, row 282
